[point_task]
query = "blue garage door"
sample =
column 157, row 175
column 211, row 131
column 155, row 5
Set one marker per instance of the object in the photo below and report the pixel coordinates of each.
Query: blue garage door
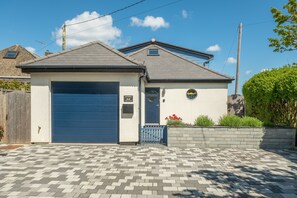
column 85, row 112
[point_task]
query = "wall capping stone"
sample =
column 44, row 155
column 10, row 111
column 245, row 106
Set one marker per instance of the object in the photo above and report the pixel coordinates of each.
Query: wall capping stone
column 231, row 127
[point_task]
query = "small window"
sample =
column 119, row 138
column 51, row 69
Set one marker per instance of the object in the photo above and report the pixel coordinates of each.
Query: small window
column 153, row 52
column 11, row 54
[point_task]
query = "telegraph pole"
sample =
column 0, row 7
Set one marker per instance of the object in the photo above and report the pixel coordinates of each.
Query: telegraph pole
column 238, row 58
column 64, row 37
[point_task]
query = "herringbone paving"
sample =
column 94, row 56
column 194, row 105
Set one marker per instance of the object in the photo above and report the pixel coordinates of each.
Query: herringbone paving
column 138, row 171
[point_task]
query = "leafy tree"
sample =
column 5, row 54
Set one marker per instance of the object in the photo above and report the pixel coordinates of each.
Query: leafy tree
column 286, row 28
column 271, row 96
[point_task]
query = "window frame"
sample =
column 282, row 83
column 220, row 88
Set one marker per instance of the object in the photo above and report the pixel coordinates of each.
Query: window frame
column 155, row 49
column 11, row 57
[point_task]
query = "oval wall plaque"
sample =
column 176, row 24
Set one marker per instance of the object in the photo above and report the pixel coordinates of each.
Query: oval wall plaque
column 192, row 94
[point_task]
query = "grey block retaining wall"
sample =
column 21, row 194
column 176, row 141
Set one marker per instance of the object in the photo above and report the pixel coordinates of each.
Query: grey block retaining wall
column 223, row 137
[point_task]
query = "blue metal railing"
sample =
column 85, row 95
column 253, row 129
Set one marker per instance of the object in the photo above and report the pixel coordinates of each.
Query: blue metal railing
column 154, row 134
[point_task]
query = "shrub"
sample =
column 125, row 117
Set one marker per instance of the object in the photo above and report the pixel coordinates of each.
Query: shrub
column 1, row 132
column 271, row 96
column 251, row 122
column 174, row 120
column 204, row 121
column 230, row 120
column 14, row 85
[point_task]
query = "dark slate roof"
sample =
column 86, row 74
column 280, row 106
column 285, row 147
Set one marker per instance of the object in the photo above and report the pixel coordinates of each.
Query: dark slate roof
column 92, row 55
column 137, row 47
column 170, row 67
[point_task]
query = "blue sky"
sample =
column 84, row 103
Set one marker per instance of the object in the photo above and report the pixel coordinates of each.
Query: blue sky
column 194, row 24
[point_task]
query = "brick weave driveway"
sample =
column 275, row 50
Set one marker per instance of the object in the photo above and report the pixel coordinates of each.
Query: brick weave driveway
column 137, row 171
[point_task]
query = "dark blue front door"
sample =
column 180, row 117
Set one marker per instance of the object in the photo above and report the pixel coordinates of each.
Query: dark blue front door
column 152, row 105
column 85, row 112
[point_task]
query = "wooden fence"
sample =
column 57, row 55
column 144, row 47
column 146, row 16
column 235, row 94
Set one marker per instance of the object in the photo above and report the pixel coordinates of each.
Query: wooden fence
column 15, row 117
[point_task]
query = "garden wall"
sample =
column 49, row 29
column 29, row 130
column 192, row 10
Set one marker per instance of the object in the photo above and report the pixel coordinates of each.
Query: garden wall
column 224, row 137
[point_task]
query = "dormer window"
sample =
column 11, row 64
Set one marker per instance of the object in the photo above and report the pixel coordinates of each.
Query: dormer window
column 11, row 54
column 153, row 52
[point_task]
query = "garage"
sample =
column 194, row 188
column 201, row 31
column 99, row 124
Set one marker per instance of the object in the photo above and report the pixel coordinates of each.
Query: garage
column 85, row 112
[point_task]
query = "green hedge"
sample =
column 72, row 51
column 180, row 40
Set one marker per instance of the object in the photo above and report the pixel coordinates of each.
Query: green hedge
column 14, row 85
column 271, row 96
column 251, row 122
column 204, row 121
column 230, row 120
column 235, row 121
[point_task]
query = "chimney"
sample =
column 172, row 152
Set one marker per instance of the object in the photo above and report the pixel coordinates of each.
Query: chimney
column 46, row 53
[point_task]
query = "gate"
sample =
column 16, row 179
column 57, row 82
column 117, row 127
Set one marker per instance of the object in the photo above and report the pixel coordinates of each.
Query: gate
column 15, row 117
column 154, row 134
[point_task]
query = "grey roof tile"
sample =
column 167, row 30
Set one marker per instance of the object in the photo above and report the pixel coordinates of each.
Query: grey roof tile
column 170, row 66
column 91, row 54
column 166, row 46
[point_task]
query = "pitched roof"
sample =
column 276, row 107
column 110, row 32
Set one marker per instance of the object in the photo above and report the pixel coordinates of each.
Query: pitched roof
column 92, row 55
column 169, row 67
column 8, row 65
column 167, row 46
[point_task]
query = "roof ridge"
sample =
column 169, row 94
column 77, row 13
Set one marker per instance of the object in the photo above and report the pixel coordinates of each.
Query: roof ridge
column 223, row 75
column 58, row 53
column 126, row 57
column 17, row 47
column 81, row 47
column 141, row 49
column 159, row 43
column 32, row 54
column 8, row 47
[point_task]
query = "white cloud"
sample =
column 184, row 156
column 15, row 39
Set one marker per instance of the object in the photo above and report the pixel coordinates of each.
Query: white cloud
column 214, row 48
column 248, row 72
column 100, row 29
column 31, row 49
column 231, row 60
column 149, row 21
column 185, row 14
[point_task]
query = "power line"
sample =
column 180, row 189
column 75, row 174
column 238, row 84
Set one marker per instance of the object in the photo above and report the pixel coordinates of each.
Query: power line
column 231, row 47
column 127, row 17
column 249, row 24
column 111, row 13
column 257, row 23
column 118, row 20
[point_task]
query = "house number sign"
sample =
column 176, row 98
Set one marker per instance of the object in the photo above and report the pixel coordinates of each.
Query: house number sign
column 128, row 98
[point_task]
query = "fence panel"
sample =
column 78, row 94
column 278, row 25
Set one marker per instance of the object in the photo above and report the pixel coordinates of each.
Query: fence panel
column 3, row 114
column 15, row 117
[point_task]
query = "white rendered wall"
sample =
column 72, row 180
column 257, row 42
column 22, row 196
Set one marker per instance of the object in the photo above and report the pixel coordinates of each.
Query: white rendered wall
column 211, row 100
column 41, row 101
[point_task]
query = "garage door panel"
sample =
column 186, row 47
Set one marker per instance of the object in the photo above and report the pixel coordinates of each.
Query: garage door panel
column 86, row 131
column 87, row 116
column 85, row 112
column 85, row 88
column 85, row 139
column 85, row 124
column 84, row 108
column 83, row 99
